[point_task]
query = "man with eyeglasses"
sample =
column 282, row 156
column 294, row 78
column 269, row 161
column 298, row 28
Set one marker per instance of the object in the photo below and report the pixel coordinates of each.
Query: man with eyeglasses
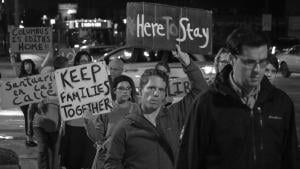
column 149, row 136
column 242, row 121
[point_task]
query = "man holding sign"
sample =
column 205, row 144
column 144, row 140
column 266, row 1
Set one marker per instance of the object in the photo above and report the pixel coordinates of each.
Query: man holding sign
column 149, row 136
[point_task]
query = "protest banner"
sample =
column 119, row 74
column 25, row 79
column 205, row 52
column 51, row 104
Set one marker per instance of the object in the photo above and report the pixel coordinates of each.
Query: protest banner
column 83, row 87
column 179, row 87
column 157, row 26
column 31, row 89
column 31, row 39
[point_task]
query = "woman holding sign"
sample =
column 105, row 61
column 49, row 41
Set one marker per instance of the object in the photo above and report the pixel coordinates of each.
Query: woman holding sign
column 124, row 98
column 28, row 69
column 78, row 150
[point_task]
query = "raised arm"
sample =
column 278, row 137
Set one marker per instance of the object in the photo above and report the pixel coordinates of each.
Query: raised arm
column 198, row 84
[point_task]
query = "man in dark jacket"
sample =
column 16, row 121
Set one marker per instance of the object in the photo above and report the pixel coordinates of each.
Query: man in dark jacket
column 243, row 121
column 148, row 138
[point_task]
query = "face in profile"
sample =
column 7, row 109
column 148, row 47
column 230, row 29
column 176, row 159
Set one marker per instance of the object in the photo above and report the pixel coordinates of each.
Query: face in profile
column 153, row 93
column 123, row 92
column 270, row 72
column 249, row 67
column 224, row 60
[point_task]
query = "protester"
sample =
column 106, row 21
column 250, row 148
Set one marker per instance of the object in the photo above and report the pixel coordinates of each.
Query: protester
column 149, row 136
column 272, row 68
column 242, row 121
column 78, row 151
column 164, row 67
column 46, row 125
column 60, row 62
column 123, row 96
column 28, row 69
column 116, row 68
column 222, row 59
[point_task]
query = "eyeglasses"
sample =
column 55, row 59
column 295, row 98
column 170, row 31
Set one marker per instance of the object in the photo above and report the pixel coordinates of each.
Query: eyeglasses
column 154, row 89
column 252, row 63
column 124, row 88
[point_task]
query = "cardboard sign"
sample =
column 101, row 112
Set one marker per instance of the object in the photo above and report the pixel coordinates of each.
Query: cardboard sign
column 157, row 26
column 31, row 40
column 179, row 87
column 83, row 87
column 32, row 89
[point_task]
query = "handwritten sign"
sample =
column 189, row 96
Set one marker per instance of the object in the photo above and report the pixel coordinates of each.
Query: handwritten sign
column 31, row 40
column 83, row 87
column 32, row 89
column 179, row 87
column 159, row 26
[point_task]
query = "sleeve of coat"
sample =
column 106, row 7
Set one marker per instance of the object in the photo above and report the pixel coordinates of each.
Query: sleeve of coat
column 290, row 142
column 195, row 137
column 116, row 149
column 198, row 85
column 96, row 131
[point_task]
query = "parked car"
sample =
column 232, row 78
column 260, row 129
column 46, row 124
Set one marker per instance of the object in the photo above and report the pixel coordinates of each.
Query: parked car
column 97, row 51
column 282, row 44
column 289, row 61
column 137, row 60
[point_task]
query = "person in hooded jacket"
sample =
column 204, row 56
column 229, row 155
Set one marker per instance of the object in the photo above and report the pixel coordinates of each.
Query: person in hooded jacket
column 148, row 137
column 242, row 121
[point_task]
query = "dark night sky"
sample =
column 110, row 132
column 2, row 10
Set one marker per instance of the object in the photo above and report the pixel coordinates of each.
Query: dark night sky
column 105, row 7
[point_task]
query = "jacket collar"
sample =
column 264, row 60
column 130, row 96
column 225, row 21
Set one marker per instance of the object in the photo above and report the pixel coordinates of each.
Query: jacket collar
column 222, row 85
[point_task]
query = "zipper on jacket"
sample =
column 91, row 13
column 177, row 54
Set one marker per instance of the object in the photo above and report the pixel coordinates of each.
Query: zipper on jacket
column 261, row 126
column 253, row 135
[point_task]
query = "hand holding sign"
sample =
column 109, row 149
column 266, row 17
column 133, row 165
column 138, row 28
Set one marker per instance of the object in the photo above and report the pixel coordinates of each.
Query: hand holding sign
column 183, row 57
column 87, row 114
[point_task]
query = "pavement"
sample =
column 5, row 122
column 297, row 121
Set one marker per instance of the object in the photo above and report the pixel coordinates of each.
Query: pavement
column 12, row 136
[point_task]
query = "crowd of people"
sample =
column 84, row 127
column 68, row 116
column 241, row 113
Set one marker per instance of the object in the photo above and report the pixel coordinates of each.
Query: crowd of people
column 241, row 120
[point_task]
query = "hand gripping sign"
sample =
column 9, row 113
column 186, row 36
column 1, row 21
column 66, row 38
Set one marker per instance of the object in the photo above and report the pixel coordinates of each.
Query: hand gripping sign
column 83, row 87
column 157, row 26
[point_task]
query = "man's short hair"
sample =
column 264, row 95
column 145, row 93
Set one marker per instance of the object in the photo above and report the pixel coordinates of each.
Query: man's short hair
column 245, row 36
column 163, row 64
column 153, row 72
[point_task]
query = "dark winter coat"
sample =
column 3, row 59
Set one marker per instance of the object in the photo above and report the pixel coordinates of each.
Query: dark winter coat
column 138, row 144
column 223, row 133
